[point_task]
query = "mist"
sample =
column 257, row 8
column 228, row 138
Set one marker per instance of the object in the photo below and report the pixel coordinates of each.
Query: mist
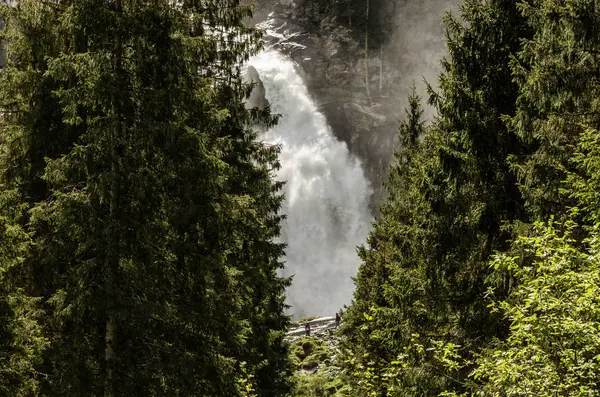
column 332, row 170
column 416, row 47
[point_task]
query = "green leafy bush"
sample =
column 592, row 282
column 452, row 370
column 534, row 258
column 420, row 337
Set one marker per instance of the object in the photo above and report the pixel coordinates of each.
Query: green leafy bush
column 553, row 348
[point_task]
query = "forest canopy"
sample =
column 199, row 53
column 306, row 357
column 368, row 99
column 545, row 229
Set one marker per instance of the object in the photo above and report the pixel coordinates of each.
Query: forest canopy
column 140, row 215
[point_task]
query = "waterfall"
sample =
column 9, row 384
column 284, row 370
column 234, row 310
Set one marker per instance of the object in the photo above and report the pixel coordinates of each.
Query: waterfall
column 326, row 194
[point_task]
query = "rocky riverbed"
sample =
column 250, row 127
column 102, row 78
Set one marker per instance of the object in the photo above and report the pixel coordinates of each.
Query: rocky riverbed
column 321, row 327
column 316, row 358
column 318, row 349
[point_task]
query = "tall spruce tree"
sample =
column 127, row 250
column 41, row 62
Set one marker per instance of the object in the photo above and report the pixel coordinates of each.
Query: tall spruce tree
column 475, row 195
column 390, row 301
column 549, row 349
column 440, row 224
column 556, row 70
column 27, row 133
column 155, row 220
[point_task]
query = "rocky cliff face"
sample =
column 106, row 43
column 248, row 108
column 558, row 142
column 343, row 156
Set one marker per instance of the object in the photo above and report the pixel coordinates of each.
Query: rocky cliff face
column 257, row 97
column 333, row 63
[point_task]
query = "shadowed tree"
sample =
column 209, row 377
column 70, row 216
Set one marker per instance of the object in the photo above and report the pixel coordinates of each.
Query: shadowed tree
column 154, row 214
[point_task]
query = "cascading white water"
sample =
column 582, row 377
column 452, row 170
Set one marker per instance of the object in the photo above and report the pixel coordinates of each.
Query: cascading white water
column 326, row 193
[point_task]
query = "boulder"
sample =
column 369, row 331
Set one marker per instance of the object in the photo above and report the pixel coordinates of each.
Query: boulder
column 257, row 98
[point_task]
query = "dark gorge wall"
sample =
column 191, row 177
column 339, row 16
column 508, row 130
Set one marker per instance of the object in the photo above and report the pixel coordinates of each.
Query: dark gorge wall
column 363, row 97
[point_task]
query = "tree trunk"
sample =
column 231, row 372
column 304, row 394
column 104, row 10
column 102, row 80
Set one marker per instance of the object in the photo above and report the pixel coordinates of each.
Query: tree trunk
column 380, row 71
column 109, row 353
column 112, row 266
column 349, row 15
column 367, row 56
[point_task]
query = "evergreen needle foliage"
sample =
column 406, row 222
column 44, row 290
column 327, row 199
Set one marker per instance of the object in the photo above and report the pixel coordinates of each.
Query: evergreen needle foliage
column 515, row 142
column 138, row 210
column 149, row 203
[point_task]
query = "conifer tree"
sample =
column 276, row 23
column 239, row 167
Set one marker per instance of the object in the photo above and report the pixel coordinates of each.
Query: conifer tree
column 156, row 225
column 428, row 254
column 556, row 71
column 27, row 134
column 474, row 196
column 390, row 301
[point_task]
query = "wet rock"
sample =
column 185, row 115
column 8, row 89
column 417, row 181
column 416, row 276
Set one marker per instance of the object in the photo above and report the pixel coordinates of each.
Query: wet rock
column 257, row 97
